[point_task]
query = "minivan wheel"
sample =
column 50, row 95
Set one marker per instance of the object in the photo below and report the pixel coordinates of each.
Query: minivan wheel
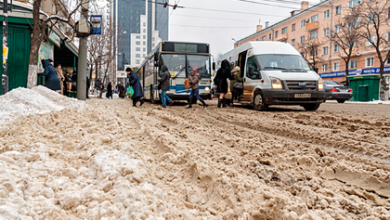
column 259, row 102
column 340, row 100
column 311, row 107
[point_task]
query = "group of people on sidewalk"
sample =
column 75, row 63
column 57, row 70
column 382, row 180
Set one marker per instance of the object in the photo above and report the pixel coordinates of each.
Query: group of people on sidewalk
column 57, row 81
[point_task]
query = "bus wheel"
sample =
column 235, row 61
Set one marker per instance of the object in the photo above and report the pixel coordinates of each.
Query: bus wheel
column 258, row 102
column 152, row 95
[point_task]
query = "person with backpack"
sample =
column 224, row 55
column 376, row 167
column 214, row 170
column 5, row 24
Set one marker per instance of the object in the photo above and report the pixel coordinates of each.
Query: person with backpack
column 194, row 81
column 164, row 85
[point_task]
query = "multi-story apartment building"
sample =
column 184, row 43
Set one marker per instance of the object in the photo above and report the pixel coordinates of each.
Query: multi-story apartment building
column 139, row 26
column 316, row 24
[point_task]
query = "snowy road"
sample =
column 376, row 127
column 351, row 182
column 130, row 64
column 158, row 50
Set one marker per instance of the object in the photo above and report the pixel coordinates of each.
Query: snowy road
column 111, row 161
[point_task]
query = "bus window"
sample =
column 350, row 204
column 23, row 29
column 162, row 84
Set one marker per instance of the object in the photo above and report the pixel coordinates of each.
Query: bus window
column 201, row 62
column 176, row 64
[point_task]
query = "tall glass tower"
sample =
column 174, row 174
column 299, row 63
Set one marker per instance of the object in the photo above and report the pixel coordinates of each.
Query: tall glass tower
column 139, row 26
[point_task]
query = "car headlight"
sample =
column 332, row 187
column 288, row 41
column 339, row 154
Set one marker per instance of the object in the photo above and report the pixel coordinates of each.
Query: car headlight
column 320, row 85
column 207, row 89
column 276, row 83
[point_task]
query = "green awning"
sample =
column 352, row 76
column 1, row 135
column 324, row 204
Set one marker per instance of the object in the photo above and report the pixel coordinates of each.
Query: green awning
column 71, row 49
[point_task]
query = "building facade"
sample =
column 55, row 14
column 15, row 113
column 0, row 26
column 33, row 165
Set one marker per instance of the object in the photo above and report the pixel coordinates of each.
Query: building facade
column 139, row 26
column 315, row 25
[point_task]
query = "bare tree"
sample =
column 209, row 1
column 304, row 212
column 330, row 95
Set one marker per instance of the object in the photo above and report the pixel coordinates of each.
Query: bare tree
column 347, row 37
column 375, row 25
column 311, row 51
column 40, row 31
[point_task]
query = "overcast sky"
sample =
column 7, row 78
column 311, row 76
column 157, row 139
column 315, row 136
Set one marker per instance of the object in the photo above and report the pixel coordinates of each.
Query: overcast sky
column 218, row 28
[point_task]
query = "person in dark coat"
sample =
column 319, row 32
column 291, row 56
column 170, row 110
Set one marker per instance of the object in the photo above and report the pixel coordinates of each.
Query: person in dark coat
column 67, row 79
column 88, row 85
column 51, row 79
column 221, row 81
column 74, row 82
column 121, row 90
column 164, row 83
column 135, row 83
column 109, row 90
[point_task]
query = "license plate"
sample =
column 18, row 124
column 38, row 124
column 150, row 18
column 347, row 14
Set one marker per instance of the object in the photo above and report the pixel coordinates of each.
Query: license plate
column 343, row 90
column 302, row 95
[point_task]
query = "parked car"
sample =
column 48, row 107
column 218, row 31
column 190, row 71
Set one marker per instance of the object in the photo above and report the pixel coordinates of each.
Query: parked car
column 337, row 91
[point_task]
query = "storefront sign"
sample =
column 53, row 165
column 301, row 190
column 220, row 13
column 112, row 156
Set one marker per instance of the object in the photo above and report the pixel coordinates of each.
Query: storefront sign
column 53, row 37
column 121, row 74
column 5, row 54
column 46, row 51
column 354, row 72
column 96, row 21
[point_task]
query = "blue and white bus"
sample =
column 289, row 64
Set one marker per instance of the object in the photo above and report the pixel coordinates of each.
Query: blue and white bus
column 180, row 58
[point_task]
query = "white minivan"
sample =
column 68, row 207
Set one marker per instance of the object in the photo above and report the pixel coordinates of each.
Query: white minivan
column 275, row 73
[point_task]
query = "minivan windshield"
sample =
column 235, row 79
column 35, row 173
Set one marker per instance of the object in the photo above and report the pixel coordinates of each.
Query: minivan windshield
column 284, row 62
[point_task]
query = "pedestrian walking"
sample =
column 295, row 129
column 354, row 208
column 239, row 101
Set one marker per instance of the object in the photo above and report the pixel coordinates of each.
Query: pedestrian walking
column 220, row 80
column 135, row 83
column 109, row 90
column 88, row 85
column 121, row 89
column 236, row 85
column 194, row 81
column 68, row 80
column 61, row 77
column 164, row 85
column 51, row 79
column 74, row 82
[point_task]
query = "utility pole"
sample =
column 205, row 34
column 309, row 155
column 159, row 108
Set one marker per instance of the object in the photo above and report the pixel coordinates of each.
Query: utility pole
column 84, row 30
column 5, row 46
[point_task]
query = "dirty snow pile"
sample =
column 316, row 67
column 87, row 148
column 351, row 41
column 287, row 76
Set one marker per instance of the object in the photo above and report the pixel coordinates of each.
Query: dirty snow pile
column 39, row 100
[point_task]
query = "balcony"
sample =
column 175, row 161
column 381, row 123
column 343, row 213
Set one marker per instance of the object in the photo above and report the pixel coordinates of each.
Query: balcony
column 283, row 37
column 312, row 26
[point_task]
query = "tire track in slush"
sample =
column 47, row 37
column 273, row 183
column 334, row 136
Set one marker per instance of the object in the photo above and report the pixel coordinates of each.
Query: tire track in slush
column 300, row 140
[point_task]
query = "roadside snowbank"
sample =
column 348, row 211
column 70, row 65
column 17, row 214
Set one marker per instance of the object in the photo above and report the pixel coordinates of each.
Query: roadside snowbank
column 39, row 100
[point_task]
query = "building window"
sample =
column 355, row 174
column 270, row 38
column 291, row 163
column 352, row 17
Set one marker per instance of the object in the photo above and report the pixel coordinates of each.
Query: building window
column 372, row 40
column 314, row 18
column 284, row 30
column 144, row 43
column 137, row 49
column 371, row 18
column 270, row 36
column 144, row 37
column 137, row 37
column 337, row 28
column 325, row 68
column 325, row 51
column 338, row 9
column 313, row 53
column 293, row 42
column 144, row 30
column 336, row 66
column 326, row 14
column 276, row 34
column 264, row 38
column 302, row 39
column 314, row 35
column 303, row 23
column 293, row 27
column 153, row 39
column 326, row 32
column 352, row 64
column 144, row 24
column 369, row 61
column 138, row 62
column 137, row 43
column 388, row 36
column 388, row 61
column 138, row 55
column 144, row 49
column 336, row 48
column 353, row 3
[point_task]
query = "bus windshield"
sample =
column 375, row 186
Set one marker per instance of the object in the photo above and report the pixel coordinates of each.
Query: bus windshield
column 176, row 64
column 201, row 62
column 284, row 62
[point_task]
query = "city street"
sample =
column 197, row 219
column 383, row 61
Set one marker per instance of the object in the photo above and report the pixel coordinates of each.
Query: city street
column 109, row 160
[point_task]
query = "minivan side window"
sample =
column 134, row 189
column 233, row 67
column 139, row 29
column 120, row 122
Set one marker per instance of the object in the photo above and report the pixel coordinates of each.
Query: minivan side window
column 252, row 69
